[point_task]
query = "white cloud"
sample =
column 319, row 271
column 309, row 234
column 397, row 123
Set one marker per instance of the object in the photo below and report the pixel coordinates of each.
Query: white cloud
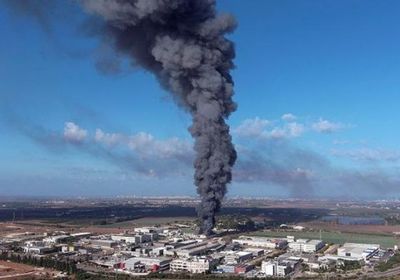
column 141, row 153
column 74, row 133
column 260, row 128
column 276, row 133
column 290, row 130
column 285, row 127
column 252, row 127
column 288, row 117
column 325, row 126
column 295, row 129
column 107, row 138
column 146, row 145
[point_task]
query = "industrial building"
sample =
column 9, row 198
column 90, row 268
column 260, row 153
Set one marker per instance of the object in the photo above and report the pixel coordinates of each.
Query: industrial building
column 234, row 257
column 148, row 230
column 277, row 269
column 194, row 265
column 180, row 243
column 130, row 239
column 264, row 242
column 243, row 268
column 306, row 245
column 80, row 234
column 154, row 264
column 136, row 238
column 57, row 239
column 358, row 251
column 255, row 251
column 196, row 249
column 38, row 249
column 103, row 243
column 226, row 268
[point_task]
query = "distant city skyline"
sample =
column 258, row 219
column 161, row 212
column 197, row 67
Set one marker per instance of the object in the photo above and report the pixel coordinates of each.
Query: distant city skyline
column 316, row 85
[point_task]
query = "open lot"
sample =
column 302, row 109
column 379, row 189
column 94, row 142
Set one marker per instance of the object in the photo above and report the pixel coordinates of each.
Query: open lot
column 10, row 270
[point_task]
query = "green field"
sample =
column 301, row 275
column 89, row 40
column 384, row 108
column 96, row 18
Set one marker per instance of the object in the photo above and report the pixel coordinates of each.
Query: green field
column 386, row 241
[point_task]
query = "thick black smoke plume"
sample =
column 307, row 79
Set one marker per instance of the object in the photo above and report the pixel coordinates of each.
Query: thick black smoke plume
column 182, row 43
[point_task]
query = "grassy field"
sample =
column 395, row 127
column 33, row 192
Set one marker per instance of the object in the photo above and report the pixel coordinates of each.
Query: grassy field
column 386, row 241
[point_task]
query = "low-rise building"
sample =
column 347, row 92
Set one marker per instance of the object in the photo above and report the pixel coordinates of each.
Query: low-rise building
column 154, row 264
column 306, row 245
column 67, row 248
column 255, row 251
column 158, row 251
column 130, row 239
column 194, row 265
column 103, row 243
column 358, row 251
column 263, row 242
column 277, row 269
column 37, row 247
column 80, row 234
column 56, row 239
column 226, row 268
column 234, row 257
column 38, row 250
column 196, row 249
column 145, row 237
column 243, row 268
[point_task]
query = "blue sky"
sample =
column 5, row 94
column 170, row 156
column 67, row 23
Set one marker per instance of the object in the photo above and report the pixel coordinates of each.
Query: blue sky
column 316, row 83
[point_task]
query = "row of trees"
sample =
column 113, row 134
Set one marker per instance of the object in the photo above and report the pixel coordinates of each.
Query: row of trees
column 61, row 265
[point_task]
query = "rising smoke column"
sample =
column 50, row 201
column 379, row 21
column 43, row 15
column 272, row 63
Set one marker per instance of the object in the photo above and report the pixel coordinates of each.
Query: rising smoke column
column 182, row 43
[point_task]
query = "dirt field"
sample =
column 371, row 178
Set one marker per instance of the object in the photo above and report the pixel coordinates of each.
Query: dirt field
column 9, row 229
column 10, row 270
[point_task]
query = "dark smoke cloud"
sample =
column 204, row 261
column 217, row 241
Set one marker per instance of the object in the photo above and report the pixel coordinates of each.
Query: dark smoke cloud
column 281, row 165
column 182, row 43
column 305, row 173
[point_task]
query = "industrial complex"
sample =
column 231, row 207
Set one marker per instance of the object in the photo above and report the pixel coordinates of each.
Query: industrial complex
column 168, row 249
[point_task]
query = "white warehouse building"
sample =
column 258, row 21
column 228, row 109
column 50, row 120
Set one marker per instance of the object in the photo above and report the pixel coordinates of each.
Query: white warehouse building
column 195, row 265
column 277, row 269
column 306, row 245
column 358, row 251
column 263, row 242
